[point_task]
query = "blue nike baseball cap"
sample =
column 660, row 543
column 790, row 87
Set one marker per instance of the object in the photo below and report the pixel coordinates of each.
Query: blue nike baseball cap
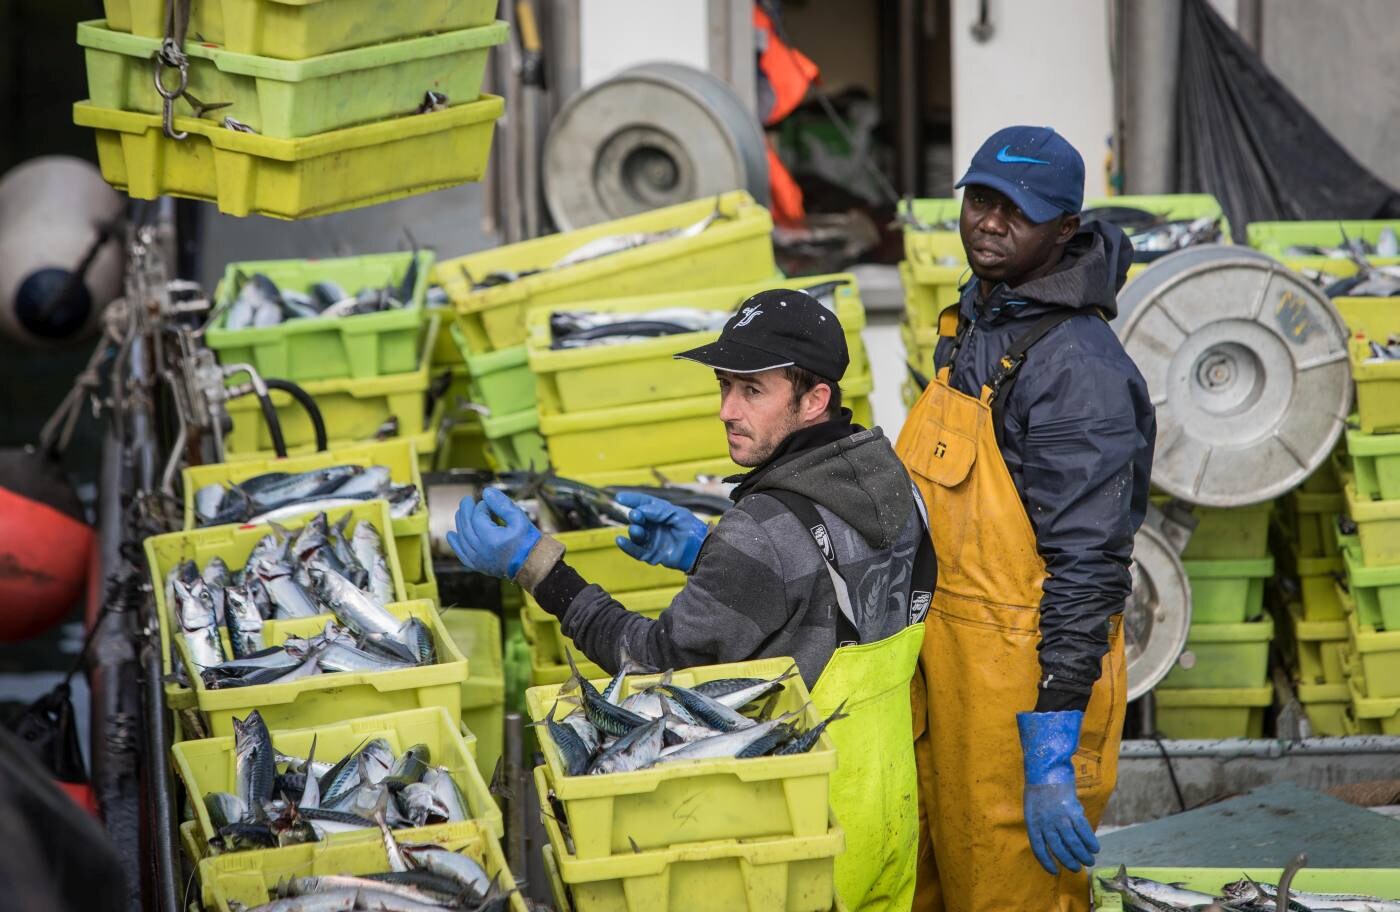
column 1034, row 166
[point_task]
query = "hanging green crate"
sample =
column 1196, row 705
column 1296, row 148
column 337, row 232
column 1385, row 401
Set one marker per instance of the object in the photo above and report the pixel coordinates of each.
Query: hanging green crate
column 735, row 248
column 210, row 765
column 727, row 798
column 644, row 371
column 325, row 698
column 292, row 99
column 298, row 29
column 1224, row 656
column 247, row 174
column 792, row 873
column 1212, row 714
column 364, row 346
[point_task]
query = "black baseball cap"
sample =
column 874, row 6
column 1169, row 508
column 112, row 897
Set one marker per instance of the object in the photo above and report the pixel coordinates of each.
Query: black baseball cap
column 778, row 328
column 1035, row 166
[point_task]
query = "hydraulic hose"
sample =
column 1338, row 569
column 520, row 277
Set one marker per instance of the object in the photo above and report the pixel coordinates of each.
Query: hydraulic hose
column 313, row 411
column 274, row 426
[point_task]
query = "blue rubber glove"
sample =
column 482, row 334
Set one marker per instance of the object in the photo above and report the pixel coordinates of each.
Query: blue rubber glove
column 1055, row 820
column 661, row 532
column 494, row 536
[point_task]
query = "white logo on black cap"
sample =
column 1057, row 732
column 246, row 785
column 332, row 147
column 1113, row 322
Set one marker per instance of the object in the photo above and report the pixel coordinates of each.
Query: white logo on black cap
column 748, row 317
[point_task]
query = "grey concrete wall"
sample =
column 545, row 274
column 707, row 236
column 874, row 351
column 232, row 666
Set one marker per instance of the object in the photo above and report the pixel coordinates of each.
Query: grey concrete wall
column 1342, row 59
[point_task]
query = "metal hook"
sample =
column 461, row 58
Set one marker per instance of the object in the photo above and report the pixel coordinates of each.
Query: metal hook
column 163, row 59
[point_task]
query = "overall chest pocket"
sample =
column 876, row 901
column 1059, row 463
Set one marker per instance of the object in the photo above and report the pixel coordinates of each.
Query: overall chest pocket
column 940, row 461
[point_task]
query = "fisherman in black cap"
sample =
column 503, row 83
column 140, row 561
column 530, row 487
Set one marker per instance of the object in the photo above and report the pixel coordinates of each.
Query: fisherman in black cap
column 824, row 548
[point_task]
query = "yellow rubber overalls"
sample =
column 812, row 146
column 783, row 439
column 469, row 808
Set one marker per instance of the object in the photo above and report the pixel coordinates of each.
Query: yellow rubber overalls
column 979, row 667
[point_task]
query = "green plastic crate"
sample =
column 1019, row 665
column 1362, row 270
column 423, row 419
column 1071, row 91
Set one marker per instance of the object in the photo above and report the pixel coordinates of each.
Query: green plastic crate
column 297, row 29
column 792, row 873
column 645, row 371
column 1212, row 714
column 1317, row 579
column 1377, row 714
column 1319, row 646
column 248, row 174
column 463, row 445
column 293, row 99
column 1371, row 593
column 737, row 248
column 250, row 879
column 1227, row 591
column 550, row 634
column 597, row 558
column 1225, row 656
column 398, row 456
column 1274, row 238
column 1377, row 383
column 1379, row 882
column 421, row 581
column 513, row 441
column 1324, row 480
column 673, row 473
column 209, row 765
column 362, row 346
column 234, row 544
column 1236, row 533
column 720, row 799
column 1377, row 528
column 499, row 380
column 925, row 304
column 547, row 671
column 919, row 344
column 1377, row 654
column 326, row 698
column 1326, row 706
column 1375, row 464
column 1311, row 520
column 936, row 213
column 353, row 410
column 477, row 634
column 638, row 436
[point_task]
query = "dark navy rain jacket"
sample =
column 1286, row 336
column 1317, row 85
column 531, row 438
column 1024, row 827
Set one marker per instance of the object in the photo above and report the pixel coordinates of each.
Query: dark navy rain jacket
column 1078, row 434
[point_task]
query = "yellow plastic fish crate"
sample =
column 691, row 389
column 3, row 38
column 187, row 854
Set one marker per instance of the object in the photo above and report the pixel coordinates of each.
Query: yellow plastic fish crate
column 919, row 345
column 1212, row 713
column 638, row 436
column 247, row 174
column 699, row 800
column 355, row 410
column 595, row 555
column 1311, row 520
column 1274, row 238
column 209, row 766
column 234, row 544
column 1319, row 645
column 421, row 583
column 676, row 472
column 792, row 873
column 1326, row 706
column 1375, row 658
column 925, row 304
column 292, row 99
column 547, row 671
column 736, row 248
column 398, row 456
column 324, row 698
column 477, row 634
column 1377, row 383
column 513, row 440
column 1375, row 713
column 250, row 879
column 297, row 29
column 1377, row 527
column 644, row 371
column 1375, row 464
column 550, row 634
column 1384, row 883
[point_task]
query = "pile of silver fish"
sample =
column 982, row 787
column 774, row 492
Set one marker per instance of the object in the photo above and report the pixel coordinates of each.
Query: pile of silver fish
column 317, row 569
column 666, row 723
column 273, row 496
column 587, row 328
column 598, row 248
column 1245, row 895
column 1369, row 282
column 286, row 800
column 1390, row 351
column 1387, row 245
column 259, row 302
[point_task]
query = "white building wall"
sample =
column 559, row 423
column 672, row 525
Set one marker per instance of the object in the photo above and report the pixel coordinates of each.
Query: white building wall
column 617, row 34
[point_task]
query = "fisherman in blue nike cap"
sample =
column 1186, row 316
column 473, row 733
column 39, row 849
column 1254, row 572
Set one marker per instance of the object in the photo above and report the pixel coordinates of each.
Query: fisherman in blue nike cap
column 1032, row 448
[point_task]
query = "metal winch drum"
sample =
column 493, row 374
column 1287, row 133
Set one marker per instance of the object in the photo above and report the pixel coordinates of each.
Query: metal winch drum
column 654, row 135
column 1158, row 614
column 1246, row 362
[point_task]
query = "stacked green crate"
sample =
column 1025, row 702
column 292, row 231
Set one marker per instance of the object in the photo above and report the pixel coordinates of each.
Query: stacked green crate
column 1219, row 687
column 934, row 267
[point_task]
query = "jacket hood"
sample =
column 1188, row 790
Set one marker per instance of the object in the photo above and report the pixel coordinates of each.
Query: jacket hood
column 1094, row 268
column 858, row 478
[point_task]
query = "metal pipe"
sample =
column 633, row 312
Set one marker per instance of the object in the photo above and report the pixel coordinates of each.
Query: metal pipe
column 158, row 773
column 909, row 92
column 513, row 771
column 1267, row 748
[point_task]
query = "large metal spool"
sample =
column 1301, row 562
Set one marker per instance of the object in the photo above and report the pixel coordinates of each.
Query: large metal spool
column 1246, row 363
column 1158, row 614
column 653, row 135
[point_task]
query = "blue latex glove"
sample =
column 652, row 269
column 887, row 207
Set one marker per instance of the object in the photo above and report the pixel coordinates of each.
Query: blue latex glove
column 494, row 536
column 661, row 532
column 1055, row 820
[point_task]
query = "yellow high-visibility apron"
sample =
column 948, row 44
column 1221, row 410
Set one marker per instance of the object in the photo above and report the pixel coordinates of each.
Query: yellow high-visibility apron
column 979, row 667
column 874, row 791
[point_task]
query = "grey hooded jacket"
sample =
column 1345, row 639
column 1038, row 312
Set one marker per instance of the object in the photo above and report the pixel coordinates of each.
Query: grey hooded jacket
column 760, row 587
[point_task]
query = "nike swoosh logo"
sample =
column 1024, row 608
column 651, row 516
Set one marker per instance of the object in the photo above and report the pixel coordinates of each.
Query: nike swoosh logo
column 1005, row 156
